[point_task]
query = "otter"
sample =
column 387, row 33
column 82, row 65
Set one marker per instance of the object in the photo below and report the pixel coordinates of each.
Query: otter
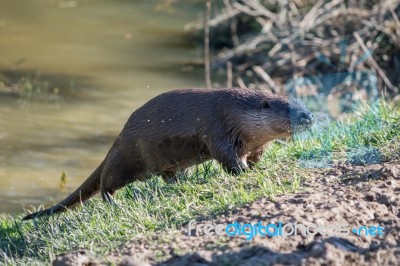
column 185, row 127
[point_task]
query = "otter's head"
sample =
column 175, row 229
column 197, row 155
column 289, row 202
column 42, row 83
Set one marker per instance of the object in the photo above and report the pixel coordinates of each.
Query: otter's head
column 268, row 116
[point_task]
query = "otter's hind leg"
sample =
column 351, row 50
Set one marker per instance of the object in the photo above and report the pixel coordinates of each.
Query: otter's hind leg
column 116, row 176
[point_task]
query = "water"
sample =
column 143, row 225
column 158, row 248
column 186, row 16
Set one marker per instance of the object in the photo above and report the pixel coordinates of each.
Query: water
column 115, row 55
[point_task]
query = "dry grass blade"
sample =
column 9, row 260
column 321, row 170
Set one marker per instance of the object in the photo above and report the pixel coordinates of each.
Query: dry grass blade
column 374, row 63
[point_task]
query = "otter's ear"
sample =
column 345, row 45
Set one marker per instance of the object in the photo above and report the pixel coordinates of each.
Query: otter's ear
column 266, row 105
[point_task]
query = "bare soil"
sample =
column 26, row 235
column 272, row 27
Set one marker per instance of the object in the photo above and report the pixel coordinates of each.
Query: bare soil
column 355, row 195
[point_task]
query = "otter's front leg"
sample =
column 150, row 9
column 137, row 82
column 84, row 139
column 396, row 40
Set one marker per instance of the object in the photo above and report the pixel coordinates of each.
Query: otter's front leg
column 233, row 166
column 230, row 159
column 254, row 157
column 169, row 176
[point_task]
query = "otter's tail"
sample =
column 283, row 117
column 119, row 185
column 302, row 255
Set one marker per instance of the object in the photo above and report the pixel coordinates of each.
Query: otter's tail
column 90, row 187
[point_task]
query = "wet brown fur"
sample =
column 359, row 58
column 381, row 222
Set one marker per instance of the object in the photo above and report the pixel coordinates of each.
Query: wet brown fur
column 182, row 128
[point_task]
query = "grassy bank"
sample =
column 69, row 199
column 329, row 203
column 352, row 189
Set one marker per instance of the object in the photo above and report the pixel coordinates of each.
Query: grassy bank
column 205, row 190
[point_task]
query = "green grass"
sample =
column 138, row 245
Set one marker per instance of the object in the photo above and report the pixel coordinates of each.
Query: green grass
column 25, row 88
column 205, row 190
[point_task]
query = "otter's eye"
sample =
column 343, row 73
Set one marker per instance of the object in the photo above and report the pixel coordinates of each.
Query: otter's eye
column 266, row 105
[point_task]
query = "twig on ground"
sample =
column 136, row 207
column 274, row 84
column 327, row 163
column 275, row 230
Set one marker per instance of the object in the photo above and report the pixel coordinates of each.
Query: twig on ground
column 264, row 75
column 229, row 74
column 240, row 82
column 207, row 45
column 235, row 38
column 213, row 22
column 373, row 63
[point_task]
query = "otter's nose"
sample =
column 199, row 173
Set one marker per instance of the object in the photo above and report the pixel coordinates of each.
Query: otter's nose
column 306, row 118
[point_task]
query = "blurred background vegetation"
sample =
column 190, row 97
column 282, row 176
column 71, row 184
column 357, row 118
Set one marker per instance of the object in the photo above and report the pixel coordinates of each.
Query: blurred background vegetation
column 265, row 39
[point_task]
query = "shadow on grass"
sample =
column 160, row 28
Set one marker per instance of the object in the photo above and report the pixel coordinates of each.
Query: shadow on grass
column 12, row 241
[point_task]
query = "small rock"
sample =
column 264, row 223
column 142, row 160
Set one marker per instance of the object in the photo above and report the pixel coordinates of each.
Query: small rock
column 318, row 249
column 75, row 258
